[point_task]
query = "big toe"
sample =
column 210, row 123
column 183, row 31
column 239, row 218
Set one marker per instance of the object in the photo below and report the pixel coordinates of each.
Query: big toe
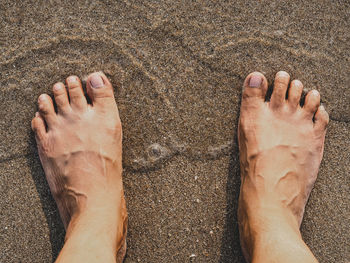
column 255, row 85
column 100, row 90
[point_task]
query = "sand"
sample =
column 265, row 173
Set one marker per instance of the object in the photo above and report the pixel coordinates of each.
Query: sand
column 177, row 68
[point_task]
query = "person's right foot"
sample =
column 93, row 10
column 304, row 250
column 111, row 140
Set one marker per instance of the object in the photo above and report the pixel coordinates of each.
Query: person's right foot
column 281, row 147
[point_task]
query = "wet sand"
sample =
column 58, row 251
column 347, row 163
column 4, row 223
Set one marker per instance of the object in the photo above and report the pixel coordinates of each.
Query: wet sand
column 177, row 69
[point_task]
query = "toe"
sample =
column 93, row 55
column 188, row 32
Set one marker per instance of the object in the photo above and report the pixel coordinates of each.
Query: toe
column 38, row 126
column 321, row 119
column 255, row 85
column 294, row 94
column 61, row 98
column 312, row 102
column 279, row 89
column 46, row 109
column 76, row 93
column 100, row 90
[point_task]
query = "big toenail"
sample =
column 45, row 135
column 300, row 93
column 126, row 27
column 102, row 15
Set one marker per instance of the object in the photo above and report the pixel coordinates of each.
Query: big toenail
column 96, row 81
column 72, row 79
column 255, row 81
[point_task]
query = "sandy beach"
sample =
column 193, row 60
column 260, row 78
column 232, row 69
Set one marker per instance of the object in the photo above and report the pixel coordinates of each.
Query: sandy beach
column 177, row 68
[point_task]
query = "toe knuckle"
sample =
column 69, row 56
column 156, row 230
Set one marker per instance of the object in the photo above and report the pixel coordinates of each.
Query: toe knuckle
column 73, row 85
column 43, row 108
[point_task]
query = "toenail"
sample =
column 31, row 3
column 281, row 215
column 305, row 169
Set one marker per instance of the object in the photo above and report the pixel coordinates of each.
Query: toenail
column 42, row 97
column 314, row 92
column 72, row 79
column 96, row 81
column 282, row 74
column 255, row 81
column 297, row 82
column 57, row 87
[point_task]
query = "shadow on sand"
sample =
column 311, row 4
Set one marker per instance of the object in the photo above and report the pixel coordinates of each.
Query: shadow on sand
column 53, row 219
column 230, row 246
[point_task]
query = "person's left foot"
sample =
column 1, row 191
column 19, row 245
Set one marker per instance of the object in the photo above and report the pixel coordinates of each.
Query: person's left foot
column 80, row 148
column 281, row 147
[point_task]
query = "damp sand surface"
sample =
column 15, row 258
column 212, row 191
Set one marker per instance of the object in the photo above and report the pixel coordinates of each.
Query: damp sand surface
column 177, row 68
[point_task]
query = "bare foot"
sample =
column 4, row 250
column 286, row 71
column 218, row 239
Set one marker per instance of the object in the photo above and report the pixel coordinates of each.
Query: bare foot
column 281, row 147
column 80, row 148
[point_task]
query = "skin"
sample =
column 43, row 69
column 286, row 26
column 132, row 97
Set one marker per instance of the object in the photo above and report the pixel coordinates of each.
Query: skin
column 281, row 147
column 80, row 148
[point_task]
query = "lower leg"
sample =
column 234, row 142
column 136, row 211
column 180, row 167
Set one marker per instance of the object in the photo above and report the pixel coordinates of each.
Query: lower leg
column 281, row 147
column 91, row 237
column 271, row 234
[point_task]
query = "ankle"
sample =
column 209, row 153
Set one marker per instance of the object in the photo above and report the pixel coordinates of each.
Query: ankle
column 266, row 222
column 93, row 221
column 101, row 212
column 264, row 211
column 90, row 237
column 280, row 242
